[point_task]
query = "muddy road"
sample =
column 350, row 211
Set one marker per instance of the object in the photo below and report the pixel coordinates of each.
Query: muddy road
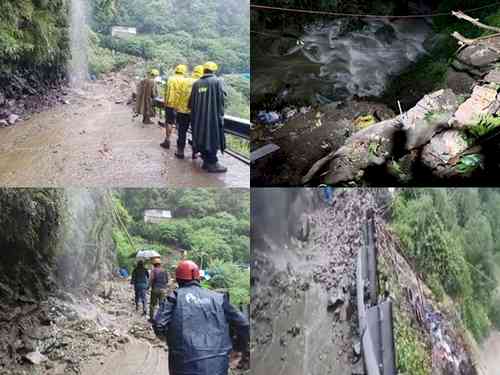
column 93, row 140
column 303, row 308
column 490, row 354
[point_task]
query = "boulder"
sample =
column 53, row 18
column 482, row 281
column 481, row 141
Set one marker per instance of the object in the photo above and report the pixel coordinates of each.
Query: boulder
column 13, row 118
column 478, row 56
column 460, row 82
column 482, row 100
column 441, row 153
column 36, row 357
column 493, row 77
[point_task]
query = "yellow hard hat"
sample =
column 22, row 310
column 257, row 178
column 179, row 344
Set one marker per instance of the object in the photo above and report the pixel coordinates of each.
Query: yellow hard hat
column 198, row 71
column 181, row 69
column 155, row 72
column 211, row 66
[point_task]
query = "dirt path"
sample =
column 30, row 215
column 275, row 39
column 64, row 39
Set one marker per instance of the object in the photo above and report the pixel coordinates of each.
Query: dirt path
column 92, row 141
column 135, row 358
column 138, row 351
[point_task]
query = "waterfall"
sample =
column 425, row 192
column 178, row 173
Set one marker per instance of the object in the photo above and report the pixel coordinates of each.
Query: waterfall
column 78, row 68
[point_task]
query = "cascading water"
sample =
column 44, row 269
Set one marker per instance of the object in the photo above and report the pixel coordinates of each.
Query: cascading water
column 78, row 68
column 87, row 250
column 340, row 59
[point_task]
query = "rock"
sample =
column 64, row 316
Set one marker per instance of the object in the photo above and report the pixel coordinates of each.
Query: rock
column 493, row 77
column 478, row 56
column 123, row 340
column 357, row 348
column 2, row 99
column 460, row 82
column 438, row 101
column 36, row 357
column 334, row 302
column 13, row 119
column 4, row 123
column 482, row 100
column 443, row 149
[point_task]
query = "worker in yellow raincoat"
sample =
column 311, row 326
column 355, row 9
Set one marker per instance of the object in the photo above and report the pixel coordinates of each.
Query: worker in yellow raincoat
column 173, row 94
column 146, row 92
column 184, row 113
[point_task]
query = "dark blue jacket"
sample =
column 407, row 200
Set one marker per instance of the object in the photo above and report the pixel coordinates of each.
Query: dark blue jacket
column 140, row 278
column 196, row 322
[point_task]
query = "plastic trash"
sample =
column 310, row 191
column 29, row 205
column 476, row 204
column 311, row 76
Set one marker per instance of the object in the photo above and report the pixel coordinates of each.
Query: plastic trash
column 268, row 118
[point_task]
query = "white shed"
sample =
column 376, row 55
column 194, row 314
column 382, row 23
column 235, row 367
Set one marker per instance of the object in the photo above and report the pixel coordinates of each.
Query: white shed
column 123, row 32
column 157, row 216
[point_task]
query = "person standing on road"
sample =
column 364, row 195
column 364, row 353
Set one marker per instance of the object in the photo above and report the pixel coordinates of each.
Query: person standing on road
column 195, row 323
column 146, row 92
column 173, row 94
column 207, row 118
column 158, row 283
column 183, row 112
column 139, row 280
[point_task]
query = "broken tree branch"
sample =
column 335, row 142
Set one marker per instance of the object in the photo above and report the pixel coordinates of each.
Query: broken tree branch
column 475, row 22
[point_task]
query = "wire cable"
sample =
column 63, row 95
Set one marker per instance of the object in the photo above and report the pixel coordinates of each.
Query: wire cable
column 339, row 14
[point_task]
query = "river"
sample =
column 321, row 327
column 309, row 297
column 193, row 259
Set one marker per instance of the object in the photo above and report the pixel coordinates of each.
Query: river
column 337, row 59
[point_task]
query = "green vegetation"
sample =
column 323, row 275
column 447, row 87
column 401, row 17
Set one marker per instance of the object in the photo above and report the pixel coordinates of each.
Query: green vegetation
column 238, row 145
column 212, row 226
column 469, row 163
column 173, row 32
column 485, row 125
column 34, row 43
column 450, row 236
column 412, row 356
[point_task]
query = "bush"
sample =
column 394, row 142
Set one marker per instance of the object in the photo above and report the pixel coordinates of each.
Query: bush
column 475, row 318
column 412, row 357
column 234, row 279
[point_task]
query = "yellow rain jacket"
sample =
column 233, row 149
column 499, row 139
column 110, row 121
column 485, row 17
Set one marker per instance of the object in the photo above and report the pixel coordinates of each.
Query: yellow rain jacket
column 187, row 86
column 173, row 91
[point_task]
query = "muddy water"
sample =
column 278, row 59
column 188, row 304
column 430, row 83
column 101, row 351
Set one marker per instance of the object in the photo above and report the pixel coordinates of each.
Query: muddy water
column 296, row 269
column 93, row 142
column 336, row 59
column 490, row 354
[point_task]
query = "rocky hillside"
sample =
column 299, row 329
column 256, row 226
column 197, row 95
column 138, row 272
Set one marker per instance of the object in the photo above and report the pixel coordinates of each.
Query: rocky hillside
column 446, row 136
column 304, row 305
column 52, row 242
column 34, row 48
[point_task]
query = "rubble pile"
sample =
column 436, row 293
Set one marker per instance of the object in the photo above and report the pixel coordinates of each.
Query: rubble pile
column 304, row 293
column 67, row 333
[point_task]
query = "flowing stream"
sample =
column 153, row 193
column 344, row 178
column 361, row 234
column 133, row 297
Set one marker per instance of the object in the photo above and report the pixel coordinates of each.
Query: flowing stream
column 78, row 68
column 340, row 59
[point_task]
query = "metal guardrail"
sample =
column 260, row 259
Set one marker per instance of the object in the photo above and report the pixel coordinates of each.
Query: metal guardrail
column 375, row 319
column 235, row 126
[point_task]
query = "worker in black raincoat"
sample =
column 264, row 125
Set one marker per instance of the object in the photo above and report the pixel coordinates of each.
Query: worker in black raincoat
column 207, row 118
column 195, row 322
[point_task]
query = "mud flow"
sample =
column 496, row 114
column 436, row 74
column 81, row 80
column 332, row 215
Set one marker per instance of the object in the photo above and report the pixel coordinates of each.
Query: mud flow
column 303, row 284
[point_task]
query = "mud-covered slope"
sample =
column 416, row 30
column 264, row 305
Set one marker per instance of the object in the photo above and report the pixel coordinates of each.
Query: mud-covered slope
column 430, row 338
column 304, row 314
column 50, row 241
